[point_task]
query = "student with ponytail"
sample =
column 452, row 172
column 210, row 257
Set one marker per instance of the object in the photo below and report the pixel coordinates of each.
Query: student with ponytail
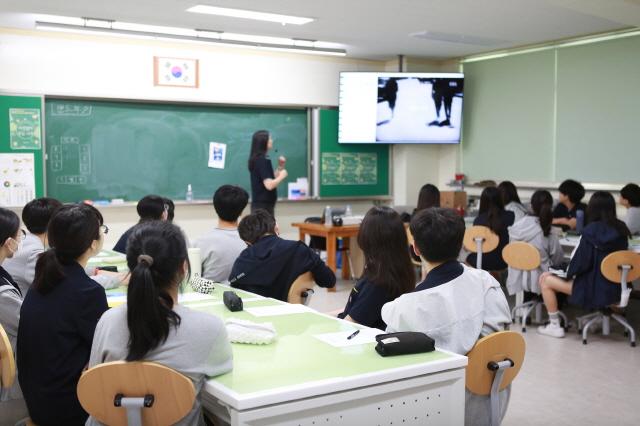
column 12, row 407
column 152, row 326
column 536, row 230
column 59, row 316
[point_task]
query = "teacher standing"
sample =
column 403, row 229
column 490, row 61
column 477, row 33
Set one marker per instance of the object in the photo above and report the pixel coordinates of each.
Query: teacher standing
column 264, row 181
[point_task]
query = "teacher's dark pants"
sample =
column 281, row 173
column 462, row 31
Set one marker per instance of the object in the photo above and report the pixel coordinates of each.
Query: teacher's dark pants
column 270, row 207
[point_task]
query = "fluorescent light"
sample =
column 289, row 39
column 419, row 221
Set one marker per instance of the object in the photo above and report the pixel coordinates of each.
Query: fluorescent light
column 250, row 14
column 125, row 29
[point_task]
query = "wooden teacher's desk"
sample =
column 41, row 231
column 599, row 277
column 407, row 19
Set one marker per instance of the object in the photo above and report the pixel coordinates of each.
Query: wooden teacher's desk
column 330, row 233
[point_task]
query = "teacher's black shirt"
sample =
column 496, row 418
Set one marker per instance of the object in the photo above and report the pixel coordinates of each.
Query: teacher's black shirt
column 262, row 169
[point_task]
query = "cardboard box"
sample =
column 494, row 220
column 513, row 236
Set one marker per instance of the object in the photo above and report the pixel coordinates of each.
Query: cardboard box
column 453, row 199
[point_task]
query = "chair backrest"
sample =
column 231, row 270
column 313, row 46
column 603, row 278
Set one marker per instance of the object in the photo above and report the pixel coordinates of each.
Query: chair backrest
column 174, row 394
column 611, row 265
column 489, row 239
column 301, row 285
column 522, row 256
column 7, row 361
column 495, row 347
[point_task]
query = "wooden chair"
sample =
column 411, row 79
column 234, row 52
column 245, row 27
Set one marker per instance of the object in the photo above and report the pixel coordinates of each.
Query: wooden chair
column 494, row 362
column 135, row 393
column 301, row 290
column 7, row 361
column 480, row 239
column 619, row 267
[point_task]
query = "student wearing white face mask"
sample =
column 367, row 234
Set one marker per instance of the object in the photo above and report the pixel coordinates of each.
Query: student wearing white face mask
column 12, row 406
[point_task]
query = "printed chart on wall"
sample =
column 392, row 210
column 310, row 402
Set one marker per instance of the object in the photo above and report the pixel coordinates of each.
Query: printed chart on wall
column 347, row 168
column 17, row 174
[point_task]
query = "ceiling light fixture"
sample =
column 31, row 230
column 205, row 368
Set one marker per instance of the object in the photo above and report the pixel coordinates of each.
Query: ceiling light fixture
column 115, row 28
column 250, row 14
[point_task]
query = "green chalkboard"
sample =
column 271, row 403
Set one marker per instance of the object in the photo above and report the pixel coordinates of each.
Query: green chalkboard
column 348, row 170
column 21, row 163
column 104, row 150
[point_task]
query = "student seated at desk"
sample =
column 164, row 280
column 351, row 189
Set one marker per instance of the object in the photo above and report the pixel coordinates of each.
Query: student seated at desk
column 269, row 265
column 630, row 198
column 171, row 209
column 35, row 216
column 586, row 285
column 150, row 207
column 428, row 197
column 152, row 326
column 565, row 212
column 387, row 273
column 493, row 215
column 58, row 318
column 12, row 406
column 511, row 200
column 455, row 304
column 221, row 247
column 535, row 229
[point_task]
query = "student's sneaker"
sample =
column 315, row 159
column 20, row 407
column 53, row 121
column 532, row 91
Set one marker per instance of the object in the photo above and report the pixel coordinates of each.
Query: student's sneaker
column 434, row 123
column 445, row 123
column 551, row 330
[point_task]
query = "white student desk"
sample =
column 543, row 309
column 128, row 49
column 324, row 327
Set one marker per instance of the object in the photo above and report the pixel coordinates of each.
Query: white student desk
column 300, row 380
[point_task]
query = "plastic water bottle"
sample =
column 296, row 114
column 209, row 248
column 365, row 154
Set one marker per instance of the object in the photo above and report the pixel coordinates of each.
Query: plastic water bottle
column 579, row 221
column 327, row 216
column 189, row 196
column 347, row 211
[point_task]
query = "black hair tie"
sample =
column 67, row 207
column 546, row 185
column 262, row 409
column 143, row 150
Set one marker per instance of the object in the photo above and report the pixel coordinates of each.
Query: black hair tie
column 145, row 258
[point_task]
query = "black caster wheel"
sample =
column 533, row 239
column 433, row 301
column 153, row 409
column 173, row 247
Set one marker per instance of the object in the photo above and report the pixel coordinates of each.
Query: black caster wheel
column 584, row 341
column 633, row 344
column 524, row 330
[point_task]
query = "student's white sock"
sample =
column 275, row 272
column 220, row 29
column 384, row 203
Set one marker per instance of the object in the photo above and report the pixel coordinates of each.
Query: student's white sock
column 554, row 319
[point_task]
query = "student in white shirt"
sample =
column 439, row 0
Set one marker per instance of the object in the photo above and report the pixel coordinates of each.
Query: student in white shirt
column 35, row 216
column 455, row 304
column 630, row 198
column 220, row 247
column 152, row 326
column 536, row 230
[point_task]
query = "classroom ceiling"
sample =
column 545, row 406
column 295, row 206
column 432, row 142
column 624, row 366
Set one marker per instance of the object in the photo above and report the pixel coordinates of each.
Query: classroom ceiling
column 374, row 29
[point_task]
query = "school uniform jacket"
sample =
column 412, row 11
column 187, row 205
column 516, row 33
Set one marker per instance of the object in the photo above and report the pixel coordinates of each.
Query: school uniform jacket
column 22, row 266
column 272, row 264
column 591, row 289
column 10, row 302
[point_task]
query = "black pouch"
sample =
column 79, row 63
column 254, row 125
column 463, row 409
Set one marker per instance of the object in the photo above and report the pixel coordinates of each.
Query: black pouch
column 232, row 301
column 404, row 343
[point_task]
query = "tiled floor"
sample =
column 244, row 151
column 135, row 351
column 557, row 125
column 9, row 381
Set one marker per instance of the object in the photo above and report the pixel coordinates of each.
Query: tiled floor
column 562, row 381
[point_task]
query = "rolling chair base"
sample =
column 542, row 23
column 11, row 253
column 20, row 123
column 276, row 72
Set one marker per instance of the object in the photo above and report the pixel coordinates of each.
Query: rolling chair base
column 604, row 319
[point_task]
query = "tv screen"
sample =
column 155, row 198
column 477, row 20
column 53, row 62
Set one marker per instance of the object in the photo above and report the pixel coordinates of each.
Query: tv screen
column 378, row 107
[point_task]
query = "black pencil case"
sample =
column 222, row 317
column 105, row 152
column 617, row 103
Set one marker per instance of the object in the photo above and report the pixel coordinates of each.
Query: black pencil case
column 404, row 343
column 232, row 301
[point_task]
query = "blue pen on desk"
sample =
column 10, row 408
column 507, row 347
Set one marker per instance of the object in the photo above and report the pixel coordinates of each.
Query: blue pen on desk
column 354, row 334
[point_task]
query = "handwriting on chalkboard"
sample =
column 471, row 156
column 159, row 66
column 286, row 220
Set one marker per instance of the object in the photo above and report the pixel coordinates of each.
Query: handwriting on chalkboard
column 71, row 110
column 349, row 168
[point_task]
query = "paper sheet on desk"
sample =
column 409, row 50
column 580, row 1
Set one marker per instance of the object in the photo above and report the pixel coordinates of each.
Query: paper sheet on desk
column 339, row 339
column 272, row 311
column 118, row 299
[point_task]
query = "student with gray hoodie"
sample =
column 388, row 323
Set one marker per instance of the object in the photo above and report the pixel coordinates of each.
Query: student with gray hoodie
column 536, row 230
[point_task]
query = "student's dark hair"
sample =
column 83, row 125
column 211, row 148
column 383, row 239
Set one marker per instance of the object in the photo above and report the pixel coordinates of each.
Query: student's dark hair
column 438, row 233
column 429, row 197
column 255, row 226
column 631, row 193
column 171, row 209
column 37, row 213
column 508, row 192
column 229, row 201
column 491, row 205
column 602, row 208
column 259, row 143
column 9, row 224
column 383, row 240
column 151, row 207
column 156, row 254
column 71, row 231
column 572, row 189
column 542, row 207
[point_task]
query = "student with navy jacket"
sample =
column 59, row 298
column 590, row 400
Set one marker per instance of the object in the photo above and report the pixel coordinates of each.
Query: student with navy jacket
column 59, row 316
column 565, row 212
column 586, row 285
column 388, row 272
column 150, row 207
column 269, row 265
column 493, row 215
